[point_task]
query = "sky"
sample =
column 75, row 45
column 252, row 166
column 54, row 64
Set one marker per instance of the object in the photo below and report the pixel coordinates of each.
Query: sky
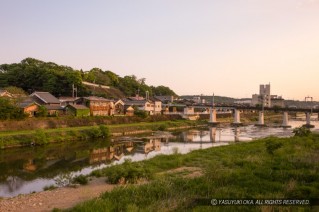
column 225, row 47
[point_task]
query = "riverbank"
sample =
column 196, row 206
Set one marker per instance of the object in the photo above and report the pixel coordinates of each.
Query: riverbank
column 270, row 168
column 11, row 139
column 52, row 130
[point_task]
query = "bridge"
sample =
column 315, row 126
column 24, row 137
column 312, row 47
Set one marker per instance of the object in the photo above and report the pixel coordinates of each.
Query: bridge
column 189, row 113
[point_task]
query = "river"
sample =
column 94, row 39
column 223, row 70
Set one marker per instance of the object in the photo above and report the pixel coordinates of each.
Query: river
column 30, row 169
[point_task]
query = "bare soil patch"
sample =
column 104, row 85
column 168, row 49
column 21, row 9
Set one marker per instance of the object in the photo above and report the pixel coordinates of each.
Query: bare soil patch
column 61, row 198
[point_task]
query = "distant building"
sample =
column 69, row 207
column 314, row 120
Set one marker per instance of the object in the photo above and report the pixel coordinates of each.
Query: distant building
column 263, row 98
column 165, row 99
column 277, row 101
column 266, row 99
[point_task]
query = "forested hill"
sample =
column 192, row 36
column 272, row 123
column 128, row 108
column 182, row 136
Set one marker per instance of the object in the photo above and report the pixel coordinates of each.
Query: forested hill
column 35, row 75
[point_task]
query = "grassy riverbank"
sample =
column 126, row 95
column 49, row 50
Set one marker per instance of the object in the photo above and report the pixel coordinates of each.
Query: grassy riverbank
column 270, row 168
column 43, row 136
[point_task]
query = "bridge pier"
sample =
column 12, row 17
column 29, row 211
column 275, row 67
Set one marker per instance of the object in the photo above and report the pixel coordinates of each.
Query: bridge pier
column 308, row 124
column 261, row 119
column 212, row 117
column 237, row 118
column 285, row 120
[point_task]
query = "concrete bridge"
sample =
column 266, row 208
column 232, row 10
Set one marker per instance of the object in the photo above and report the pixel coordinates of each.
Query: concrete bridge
column 236, row 110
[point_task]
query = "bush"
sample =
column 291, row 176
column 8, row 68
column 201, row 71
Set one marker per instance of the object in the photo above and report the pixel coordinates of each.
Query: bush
column 81, row 179
column 301, row 131
column 128, row 172
column 141, row 113
column 40, row 137
column 105, row 132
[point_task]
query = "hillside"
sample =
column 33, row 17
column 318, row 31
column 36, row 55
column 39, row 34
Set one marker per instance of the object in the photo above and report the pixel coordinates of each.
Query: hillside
column 36, row 75
column 104, row 91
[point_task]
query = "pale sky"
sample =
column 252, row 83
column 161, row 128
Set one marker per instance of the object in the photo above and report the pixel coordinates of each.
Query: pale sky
column 226, row 47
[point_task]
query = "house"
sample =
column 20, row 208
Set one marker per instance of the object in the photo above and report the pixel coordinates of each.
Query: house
column 77, row 110
column 119, row 108
column 152, row 107
column 50, row 102
column 64, row 101
column 29, row 107
column 4, row 93
column 98, row 106
column 45, row 98
column 165, row 99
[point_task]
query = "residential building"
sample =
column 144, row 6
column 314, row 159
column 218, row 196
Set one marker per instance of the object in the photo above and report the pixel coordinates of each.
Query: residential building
column 50, row 102
column 77, row 110
column 29, row 107
column 98, row 106
column 152, row 107
column 64, row 101
column 119, row 108
column 165, row 99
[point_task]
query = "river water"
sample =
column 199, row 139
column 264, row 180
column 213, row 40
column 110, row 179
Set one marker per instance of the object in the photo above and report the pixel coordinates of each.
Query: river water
column 30, row 169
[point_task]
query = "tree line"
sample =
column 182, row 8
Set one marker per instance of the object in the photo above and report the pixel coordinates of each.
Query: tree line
column 36, row 75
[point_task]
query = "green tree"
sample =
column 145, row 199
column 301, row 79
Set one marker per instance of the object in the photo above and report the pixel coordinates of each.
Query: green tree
column 10, row 111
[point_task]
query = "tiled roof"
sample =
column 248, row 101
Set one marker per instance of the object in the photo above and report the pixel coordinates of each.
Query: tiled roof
column 46, row 97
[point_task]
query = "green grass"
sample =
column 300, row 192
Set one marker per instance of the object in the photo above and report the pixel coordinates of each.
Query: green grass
column 245, row 170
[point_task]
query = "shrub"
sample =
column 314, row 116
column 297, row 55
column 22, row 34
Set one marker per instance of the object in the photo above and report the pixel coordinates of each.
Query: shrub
column 128, row 172
column 81, row 179
column 301, row 131
column 105, row 132
column 141, row 113
column 40, row 137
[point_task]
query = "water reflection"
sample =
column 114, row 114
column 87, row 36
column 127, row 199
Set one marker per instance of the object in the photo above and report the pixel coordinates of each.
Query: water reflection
column 25, row 170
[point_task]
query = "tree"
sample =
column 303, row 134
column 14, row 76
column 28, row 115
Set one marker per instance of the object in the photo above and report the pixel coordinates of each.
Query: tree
column 9, row 111
column 162, row 91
